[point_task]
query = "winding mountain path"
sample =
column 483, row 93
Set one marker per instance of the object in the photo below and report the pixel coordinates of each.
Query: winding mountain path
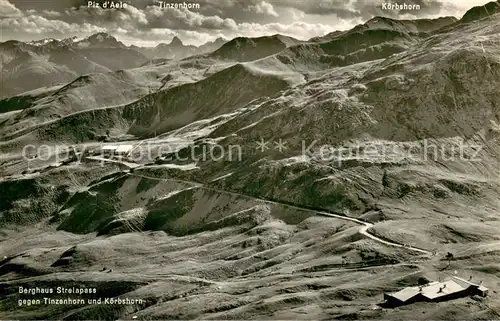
column 364, row 229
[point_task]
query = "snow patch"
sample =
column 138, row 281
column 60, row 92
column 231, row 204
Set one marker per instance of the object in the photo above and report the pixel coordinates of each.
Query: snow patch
column 172, row 194
column 222, row 177
column 187, row 167
column 83, row 44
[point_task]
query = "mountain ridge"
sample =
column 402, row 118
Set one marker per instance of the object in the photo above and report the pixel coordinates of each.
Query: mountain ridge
column 269, row 179
column 481, row 12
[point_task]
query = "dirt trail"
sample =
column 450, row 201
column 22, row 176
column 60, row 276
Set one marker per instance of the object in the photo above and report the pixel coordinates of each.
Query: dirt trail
column 364, row 229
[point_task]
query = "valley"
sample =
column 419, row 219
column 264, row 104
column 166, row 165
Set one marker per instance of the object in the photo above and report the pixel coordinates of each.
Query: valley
column 268, row 178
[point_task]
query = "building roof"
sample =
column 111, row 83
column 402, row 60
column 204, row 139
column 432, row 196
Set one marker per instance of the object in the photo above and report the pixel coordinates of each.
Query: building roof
column 440, row 289
column 405, row 294
column 482, row 288
column 124, row 148
column 464, row 282
column 435, row 290
column 109, row 147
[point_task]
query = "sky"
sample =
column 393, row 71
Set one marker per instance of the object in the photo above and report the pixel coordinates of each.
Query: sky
column 145, row 23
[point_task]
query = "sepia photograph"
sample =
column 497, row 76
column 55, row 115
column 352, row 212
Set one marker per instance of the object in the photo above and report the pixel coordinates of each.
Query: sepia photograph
column 250, row 160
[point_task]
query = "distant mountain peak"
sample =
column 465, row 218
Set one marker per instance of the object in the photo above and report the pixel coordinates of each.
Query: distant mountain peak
column 101, row 36
column 176, row 41
column 101, row 39
column 219, row 40
column 41, row 42
column 247, row 49
column 71, row 40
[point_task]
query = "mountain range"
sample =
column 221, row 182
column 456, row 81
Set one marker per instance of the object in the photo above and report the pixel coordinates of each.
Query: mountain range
column 268, row 178
column 47, row 62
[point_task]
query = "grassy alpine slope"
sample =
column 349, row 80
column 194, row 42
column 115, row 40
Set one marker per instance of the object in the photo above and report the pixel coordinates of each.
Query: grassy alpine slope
column 242, row 238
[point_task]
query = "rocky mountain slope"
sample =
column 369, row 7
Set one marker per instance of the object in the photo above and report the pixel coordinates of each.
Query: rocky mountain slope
column 270, row 179
column 248, row 49
column 176, row 49
column 409, row 26
column 480, row 12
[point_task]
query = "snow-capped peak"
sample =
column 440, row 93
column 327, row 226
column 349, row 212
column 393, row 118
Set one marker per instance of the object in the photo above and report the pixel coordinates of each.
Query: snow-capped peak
column 41, row 42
